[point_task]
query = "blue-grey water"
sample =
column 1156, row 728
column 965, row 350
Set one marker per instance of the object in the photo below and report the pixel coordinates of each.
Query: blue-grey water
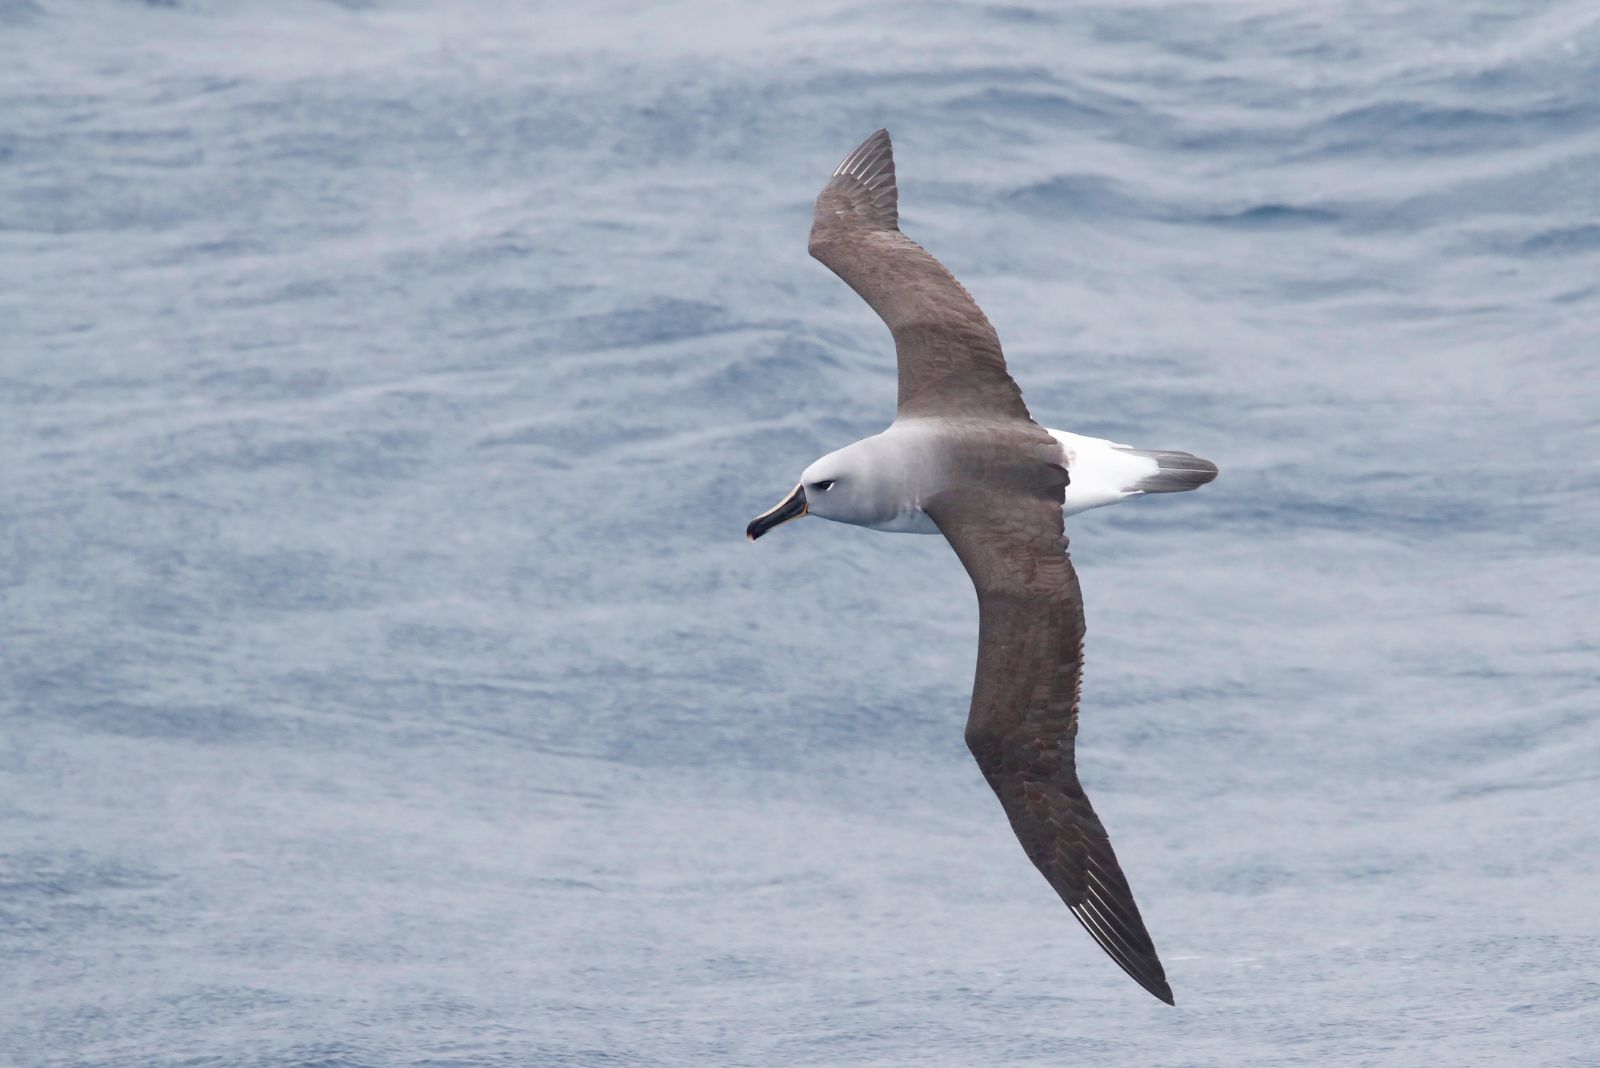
column 386, row 680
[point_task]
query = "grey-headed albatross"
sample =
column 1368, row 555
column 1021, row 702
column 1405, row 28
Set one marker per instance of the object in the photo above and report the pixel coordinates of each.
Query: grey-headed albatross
column 963, row 458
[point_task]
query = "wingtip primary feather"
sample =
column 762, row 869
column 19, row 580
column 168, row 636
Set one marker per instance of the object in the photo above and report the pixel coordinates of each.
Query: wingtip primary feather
column 876, row 144
column 863, row 186
column 1142, row 966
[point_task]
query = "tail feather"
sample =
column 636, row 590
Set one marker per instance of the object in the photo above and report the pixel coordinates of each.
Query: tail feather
column 1176, row 471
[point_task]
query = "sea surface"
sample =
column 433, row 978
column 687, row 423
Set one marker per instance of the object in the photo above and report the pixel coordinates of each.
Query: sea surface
column 385, row 679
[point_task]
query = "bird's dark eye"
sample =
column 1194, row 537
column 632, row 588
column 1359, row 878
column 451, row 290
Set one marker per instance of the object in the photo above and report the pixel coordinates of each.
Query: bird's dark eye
column 825, row 485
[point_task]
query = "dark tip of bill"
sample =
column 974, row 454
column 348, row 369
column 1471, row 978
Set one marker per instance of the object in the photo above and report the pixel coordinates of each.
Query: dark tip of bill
column 791, row 507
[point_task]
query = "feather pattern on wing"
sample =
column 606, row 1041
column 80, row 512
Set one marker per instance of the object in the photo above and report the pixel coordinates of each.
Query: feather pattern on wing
column 1007, row 531
column 949, row 356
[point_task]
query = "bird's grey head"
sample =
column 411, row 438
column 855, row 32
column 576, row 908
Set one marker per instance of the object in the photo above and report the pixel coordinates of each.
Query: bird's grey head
column 840, row 486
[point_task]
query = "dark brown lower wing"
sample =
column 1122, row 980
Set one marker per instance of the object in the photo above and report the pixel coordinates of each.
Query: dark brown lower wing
column 1065, row 840
column 1024, row 718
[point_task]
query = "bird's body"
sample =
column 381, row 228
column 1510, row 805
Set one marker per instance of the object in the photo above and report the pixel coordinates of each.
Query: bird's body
column 909, row 456
column 963, row 458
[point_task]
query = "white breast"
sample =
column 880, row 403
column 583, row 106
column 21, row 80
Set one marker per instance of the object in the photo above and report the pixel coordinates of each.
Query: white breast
column 911, row 521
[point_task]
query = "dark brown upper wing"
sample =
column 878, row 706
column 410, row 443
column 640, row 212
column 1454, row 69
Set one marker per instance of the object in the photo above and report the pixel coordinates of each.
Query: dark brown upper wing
column 949, row 357
column 1024, row 716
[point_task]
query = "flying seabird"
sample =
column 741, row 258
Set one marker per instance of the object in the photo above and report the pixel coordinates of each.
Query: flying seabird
column 963, row 458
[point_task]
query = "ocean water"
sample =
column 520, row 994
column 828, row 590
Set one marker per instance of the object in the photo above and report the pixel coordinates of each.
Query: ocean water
column 385, row 678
